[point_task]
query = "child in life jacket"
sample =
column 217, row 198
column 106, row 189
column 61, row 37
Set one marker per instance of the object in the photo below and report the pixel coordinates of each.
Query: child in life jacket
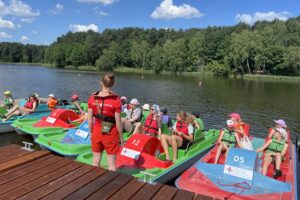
column 28, row 108
column 181, row 137
column 228, row 138
column 8, row 101
column 275, row 147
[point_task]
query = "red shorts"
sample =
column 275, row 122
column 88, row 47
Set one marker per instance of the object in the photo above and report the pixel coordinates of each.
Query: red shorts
column 101, row 142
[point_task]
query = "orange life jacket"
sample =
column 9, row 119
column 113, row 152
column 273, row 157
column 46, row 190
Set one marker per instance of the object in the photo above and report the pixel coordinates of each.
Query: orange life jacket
column 52, row 103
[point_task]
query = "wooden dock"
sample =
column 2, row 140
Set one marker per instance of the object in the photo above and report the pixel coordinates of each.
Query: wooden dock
column 42, row 175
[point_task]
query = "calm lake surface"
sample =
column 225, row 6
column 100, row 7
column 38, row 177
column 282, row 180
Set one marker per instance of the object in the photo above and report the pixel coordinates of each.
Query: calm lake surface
column 258, row 102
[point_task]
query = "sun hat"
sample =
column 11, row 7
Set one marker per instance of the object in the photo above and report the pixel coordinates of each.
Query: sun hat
column 230, row 123
column 7, row 93
column 123, row 98
column 146, row 106
column 281, row 122
column 236, row 116
column 155, row 107
column 134, row 101
column 51, row 95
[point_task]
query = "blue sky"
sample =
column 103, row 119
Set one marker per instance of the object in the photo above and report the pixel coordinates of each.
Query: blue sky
column 42, row 21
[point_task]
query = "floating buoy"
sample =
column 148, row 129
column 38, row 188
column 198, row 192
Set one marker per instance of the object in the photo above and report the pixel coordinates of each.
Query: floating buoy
column 142, row 77
column 200, row 83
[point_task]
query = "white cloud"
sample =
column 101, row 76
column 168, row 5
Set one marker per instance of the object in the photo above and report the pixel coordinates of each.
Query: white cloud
column 24, row 39
column 260, row 16
column 27, row 20
column 105, row 2
column 34, row 32
column 99, row 12
column 19, row 25
column 6, row 24
column 83, row 28
column 5, row 35
column 167, row 10
column 57, row 9
column 17, row 8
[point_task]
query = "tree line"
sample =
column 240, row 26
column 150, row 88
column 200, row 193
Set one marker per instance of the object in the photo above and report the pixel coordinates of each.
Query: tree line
column 265, row 47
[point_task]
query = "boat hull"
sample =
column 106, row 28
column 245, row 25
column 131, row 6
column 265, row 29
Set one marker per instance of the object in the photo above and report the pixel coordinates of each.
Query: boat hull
column 208, row 179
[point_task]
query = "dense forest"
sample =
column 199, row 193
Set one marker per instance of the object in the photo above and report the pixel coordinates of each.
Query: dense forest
column 265, row 47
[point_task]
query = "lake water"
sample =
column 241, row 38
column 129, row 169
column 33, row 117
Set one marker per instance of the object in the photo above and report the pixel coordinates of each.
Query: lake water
column 258, row 102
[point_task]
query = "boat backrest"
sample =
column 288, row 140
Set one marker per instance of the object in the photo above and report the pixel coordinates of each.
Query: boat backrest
column 84, row 106
column 165, row 129
column 201, row 123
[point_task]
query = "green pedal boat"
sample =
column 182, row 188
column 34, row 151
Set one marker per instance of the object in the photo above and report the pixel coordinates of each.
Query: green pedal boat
column 58, row 120
column 143, row 156
column 69, row 143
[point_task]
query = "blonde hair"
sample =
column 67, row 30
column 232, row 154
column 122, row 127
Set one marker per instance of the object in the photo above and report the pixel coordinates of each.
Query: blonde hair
column 183, row 115
column 108, row 79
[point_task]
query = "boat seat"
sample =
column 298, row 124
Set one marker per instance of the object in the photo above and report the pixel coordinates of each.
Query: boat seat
column 165, row 129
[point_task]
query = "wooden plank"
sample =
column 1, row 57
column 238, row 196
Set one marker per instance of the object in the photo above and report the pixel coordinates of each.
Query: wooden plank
column 56, row 184
column 76, row 184
column 128, row 190
column 24, row 159
column 18, row 168
column 29, row 169
column 32, row 176
column 93, row 186
column 37, row 183
column 165, row 193
column 147, row 192
column 8, row 148
column 203, row 197
column 12, row 154
column 183, row 194
column 111, row 188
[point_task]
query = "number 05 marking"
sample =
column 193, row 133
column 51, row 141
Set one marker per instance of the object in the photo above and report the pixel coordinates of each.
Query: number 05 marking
column 239, row 159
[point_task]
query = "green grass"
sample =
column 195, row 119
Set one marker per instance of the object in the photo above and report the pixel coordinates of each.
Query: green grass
column 269, row 77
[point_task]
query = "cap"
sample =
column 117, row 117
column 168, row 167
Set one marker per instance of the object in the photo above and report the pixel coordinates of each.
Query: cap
column 155, row 107
column 236, row 116
column 146, row 106
column 123, row 97
column 281, row 122
column 34, row 95
column 8, row 93
column 74, row 97
column 164, row 110
column 230, row 123
column 134, row 101
column 51, row 95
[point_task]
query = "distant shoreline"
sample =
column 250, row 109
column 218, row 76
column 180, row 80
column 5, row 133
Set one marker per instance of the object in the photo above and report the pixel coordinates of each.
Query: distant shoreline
column 258, row 77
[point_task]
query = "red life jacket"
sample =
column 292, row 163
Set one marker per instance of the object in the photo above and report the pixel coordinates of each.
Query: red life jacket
column 105, row 107
column 151, row 126
column 182, row 127
column 29, row 104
